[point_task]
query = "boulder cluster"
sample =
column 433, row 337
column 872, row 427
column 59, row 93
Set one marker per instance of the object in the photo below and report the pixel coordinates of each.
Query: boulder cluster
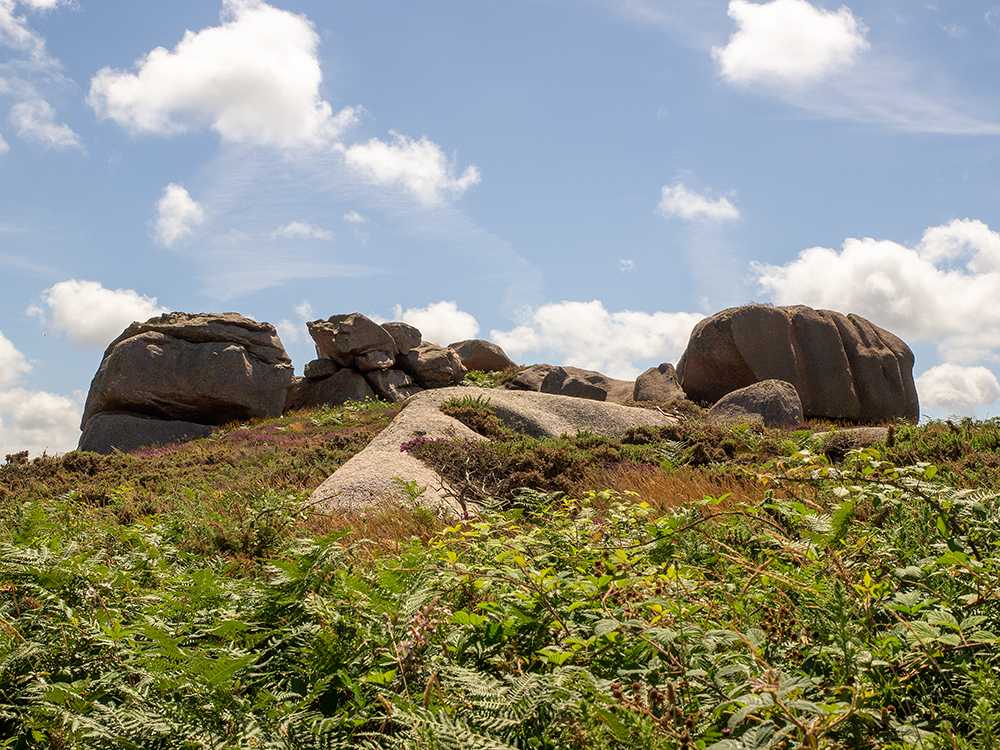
column 177, row 376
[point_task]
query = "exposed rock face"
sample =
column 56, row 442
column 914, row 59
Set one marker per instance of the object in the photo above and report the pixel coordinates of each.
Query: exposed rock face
column 433, row 366
column 658, row 384
column 406, row 336
column 572, row 381
column 485, row 356
column 341, row 387
column 107, row 433
column 775, row 403
column 208, row 369
column 354, row 341
column 843, row 367
column 529, row 379
column 393, row 385
column 367, row 479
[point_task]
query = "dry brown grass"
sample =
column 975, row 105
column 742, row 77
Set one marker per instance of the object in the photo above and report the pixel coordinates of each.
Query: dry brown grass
column 383, row 527
column 664, row 489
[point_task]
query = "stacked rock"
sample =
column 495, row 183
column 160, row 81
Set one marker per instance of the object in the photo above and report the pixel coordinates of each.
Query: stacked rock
column 357, row 358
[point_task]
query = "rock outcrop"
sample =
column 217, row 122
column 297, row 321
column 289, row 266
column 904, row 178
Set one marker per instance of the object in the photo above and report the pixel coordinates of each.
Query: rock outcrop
column 842, row 366
column 433, row 366
column 367, row 480
column 773, row 403
column 206, row 369
column 572, row 381
column 339, row 388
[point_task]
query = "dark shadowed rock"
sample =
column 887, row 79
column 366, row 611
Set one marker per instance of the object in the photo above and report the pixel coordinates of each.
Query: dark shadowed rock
column 433, row 366
column 107, row 433
column 529, row 379
column 658, row 384
column 843, row 367
column 320, row 368
column 208, row 369
column 353, row 341
column 392, row 385
column 775, row 403
column 341, row 387
column 485, row 356
column 406, row 336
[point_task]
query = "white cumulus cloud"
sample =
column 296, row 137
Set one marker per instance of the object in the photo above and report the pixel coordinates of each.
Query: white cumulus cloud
column 440, row 323
column 678, row 200
column 254, row 78
column 353, row 217
column 39, row 422
column 788, row 42
column 418, row 166
column 12, row 363
column 90, row 315
column 177, row 214
column 294, row 333
column 34, row 421
column 946, row 289
column 302, row 230
column 958, row 390
column 35, row 121
column 584, row 334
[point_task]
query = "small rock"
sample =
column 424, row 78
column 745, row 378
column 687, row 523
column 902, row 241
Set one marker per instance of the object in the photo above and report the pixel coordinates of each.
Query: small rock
column 485, row 356
column 775, row 403
column 433, row 366
column 658, row 384
column 320, row 368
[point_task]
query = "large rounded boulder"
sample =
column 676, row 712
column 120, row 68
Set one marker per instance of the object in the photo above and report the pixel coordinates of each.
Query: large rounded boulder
column 842, row 366
column 207, row 369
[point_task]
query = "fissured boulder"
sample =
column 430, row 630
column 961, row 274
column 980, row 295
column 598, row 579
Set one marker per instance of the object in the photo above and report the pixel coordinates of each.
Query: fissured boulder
column 842, row 366
column 774, row 403
column 204, row 368
column 433, row 366
column 353, row 341
column 658, row 384
column 485, row 356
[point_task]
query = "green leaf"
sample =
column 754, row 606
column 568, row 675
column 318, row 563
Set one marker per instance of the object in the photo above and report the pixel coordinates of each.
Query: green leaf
column 604, row 627
column 467, row 618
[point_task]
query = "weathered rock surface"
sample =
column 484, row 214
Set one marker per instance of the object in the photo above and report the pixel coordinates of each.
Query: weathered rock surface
column 393, row 385
column 658, row 384
column 353, row 341
column 837, row 443
column 572, row 381
column 107, row 433
column 343, row 386
column 774, row 403
column 485, row 356
column 406, row 336
column 366, row 480
column 320, row 368
column 433, row 366
column 529, row 379
column 208, row 369
column 842, row 366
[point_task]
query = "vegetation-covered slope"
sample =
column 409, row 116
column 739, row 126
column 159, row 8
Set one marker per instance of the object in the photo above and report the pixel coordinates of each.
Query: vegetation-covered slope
column 750, row 594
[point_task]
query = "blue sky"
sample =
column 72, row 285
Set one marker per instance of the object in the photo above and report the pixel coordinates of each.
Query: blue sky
column 579, row 181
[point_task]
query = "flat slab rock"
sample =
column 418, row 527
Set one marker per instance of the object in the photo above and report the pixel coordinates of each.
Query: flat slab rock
column 366, row 480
